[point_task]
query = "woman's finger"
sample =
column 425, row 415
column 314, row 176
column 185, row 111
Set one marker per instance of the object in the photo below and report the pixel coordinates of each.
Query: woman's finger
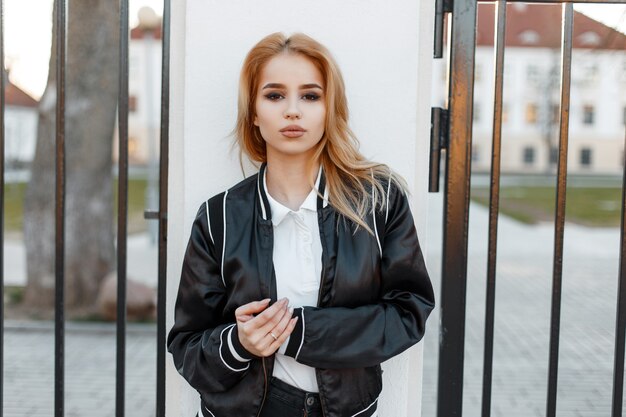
column 276, row 344
column 283, row 323
column 270, row 313
column 244, row 318
column 272, row 318
column 252, row 308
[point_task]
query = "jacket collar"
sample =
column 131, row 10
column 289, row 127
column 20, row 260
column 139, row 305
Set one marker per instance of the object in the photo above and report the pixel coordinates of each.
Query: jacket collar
column 263, row 199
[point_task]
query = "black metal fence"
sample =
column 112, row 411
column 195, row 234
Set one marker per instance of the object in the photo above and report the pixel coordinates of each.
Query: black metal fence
column 455, row 123
column 160, row 215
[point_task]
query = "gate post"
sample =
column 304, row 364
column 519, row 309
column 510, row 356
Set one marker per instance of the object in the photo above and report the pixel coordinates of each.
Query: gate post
column 456, row 209
column 384, row 51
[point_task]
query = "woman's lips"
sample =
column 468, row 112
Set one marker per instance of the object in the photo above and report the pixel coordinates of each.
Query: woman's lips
column 292, row 133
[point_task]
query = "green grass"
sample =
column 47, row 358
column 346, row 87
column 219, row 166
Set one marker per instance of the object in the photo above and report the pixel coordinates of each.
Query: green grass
column 14, row 205
column 13, row 294
column 597, row 207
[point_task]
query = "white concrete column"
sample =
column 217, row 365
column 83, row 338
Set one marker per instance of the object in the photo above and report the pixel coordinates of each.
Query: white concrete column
column 384, row 50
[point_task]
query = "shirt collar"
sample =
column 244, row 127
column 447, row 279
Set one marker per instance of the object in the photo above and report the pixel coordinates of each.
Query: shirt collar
column 279, row 211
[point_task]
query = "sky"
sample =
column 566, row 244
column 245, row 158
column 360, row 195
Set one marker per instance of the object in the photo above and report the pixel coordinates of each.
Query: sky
column 28, row 30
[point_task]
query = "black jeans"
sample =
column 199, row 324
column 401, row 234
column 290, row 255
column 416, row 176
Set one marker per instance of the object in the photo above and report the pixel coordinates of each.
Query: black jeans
column 283, row 400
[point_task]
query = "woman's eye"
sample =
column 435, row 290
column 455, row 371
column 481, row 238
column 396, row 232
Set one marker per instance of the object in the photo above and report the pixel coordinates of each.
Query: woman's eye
column 272, row 96
column 307, row 97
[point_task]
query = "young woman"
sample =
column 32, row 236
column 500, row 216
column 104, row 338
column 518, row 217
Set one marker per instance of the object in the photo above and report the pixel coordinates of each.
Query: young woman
column 300, row 280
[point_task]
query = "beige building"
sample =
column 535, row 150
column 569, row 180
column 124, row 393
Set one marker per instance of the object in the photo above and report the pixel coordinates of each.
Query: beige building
column 144, row 97
column 531, row 92
column 20, row 120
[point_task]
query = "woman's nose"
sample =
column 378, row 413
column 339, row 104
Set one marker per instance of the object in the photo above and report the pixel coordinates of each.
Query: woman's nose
column 292, row 110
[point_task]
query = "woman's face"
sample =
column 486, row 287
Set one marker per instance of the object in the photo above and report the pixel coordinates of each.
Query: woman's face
column 290, row 93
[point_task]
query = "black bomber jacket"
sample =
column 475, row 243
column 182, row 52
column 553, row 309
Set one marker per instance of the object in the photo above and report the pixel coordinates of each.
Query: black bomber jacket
column 374, row 298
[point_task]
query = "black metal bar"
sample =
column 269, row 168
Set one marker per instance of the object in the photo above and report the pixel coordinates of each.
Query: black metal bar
column 620, row 326
column 441, row 8
column 122, row 212
column 435, row 149
column 151, row 215
column 494, row 201
column 59, row 298
column 559, row 221
column 454, row 259
column 2, row 91
column 163, row 190
column 563, row 1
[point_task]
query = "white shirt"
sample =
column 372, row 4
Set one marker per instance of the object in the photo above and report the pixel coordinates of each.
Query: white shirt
column 297, row 260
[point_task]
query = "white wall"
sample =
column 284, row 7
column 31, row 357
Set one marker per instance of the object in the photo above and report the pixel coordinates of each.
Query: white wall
column 385, row 52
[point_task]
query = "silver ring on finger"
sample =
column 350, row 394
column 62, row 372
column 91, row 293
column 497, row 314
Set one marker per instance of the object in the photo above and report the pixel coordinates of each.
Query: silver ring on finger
column 273, row 335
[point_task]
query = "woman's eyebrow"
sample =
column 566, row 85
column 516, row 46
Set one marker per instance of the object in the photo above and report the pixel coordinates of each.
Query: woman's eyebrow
column 302, row 87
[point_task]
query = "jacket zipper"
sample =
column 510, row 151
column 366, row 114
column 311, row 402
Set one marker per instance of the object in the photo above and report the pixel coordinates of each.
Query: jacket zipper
column 319, row 299
column 319, row 292
column 264, row 388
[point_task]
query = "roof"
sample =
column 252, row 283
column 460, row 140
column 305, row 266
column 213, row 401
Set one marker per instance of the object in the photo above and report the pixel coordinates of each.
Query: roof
column 14, row 96
column 139, row 32
column 539, row 26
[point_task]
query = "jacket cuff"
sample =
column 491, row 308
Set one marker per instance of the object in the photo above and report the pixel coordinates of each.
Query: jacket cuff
column 232, row 351
column 296, row 339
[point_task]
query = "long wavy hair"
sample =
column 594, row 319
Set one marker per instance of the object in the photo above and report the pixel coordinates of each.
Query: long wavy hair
column 355, row 184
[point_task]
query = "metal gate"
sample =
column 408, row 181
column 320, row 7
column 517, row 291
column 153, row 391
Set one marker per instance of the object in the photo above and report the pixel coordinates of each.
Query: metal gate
column 451, row 129
column 160, row 215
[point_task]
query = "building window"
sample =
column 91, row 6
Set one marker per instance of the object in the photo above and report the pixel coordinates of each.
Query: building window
column 532, row 73
column 588, row 114
column 585, row 157
column 529, row 37
column 476, row 112
column 132, row 146
column 554, row 155
column 591, row 73
column 475, row 153
column 531, row 113
column 556, row 113
column 132, row 103
column 529, row 155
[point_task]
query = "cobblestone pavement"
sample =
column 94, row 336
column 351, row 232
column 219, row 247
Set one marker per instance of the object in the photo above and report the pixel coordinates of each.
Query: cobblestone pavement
column 90, row 370
column 522, row 317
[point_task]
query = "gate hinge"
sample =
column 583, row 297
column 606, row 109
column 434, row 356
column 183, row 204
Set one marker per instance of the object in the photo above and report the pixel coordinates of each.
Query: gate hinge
column 439, row 139
column 441, row 7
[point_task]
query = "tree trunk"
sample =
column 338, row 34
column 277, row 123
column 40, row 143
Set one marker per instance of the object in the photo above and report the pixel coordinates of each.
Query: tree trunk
column 91, row 103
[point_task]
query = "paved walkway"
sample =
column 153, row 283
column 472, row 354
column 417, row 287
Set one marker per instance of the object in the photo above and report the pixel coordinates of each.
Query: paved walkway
column 90, row 370
column 521, row 335
column 522, row 317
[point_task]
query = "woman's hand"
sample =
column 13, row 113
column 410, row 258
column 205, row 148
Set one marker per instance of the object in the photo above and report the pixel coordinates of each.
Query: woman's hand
column 264, row 333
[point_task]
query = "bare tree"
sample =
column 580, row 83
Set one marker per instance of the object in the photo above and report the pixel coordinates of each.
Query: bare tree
column 547, row 90
column 91, row 102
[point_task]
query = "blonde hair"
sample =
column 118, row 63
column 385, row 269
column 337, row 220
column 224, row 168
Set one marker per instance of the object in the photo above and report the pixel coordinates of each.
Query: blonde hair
column 348, row 173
